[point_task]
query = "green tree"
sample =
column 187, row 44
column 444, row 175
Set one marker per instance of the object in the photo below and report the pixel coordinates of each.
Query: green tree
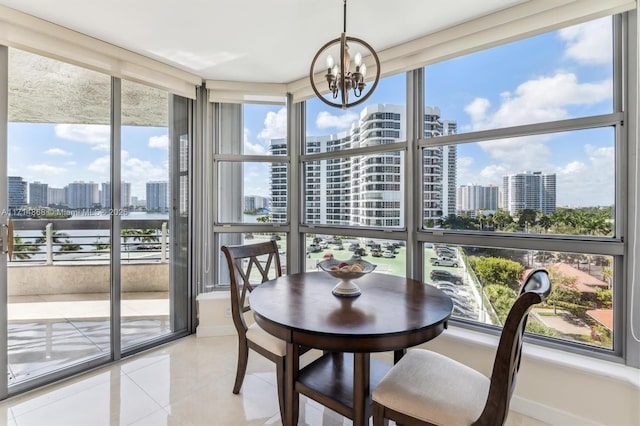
column 60, row 239
column 264, row 219
column 526, row 218
column 501, row 298
column 545, row 222
column 604, row 297
column 502, row 218
column 498, row 271
column 22, row 249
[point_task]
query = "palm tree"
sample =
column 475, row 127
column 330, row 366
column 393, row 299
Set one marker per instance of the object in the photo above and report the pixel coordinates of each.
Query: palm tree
column 545, row 222
column 502, row 218
column 57, row 239
column 23, row 250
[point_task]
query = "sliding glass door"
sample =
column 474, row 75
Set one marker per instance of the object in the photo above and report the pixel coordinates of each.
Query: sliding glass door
column 93, row 194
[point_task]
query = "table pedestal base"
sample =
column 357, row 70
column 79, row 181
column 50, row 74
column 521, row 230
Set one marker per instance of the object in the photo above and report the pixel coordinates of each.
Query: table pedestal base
column 331, row 378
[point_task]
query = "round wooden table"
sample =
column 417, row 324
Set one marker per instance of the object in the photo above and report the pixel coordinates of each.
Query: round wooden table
column 392, row 314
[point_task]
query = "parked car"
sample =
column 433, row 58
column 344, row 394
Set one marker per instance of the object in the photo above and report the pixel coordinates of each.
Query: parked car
column 376, row 252
column 460, row 311
column 446, row 284
column 446, row 251
column 314, row 248
column 388, row 254
column 360, row 251
column 444, row 261
column 442, row 275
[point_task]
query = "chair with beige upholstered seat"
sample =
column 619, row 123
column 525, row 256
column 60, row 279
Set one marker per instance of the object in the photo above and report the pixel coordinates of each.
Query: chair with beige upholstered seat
column 427, row 388
column 250, row 265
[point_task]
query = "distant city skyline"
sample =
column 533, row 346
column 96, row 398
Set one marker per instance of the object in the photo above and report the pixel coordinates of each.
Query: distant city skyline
column 81, row 194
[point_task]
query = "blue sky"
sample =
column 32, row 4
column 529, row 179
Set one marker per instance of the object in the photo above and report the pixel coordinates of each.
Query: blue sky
column 59, row 154
column 557, row 75
column 562, row 74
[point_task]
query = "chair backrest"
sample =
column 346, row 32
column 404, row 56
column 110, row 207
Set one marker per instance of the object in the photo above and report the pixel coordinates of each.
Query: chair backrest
column 535, row 289
column 249, row 265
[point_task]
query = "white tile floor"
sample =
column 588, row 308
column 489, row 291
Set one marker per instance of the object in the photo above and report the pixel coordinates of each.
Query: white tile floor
column 184, row 383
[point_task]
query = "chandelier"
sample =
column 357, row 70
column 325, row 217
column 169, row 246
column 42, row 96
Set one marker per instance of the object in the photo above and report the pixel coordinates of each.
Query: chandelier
column 344, row 77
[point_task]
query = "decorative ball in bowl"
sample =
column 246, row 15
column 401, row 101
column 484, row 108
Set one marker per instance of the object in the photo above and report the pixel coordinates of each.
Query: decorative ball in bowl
column 346, row 271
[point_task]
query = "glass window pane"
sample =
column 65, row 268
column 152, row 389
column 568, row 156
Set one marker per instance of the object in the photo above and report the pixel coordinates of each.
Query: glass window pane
column 145, row 202
column 483, row 283
column 563, row 74
column 382, row 120
column 364, row 190
column 253, row 129
column 250, row 238
column 557, row 183
column 58, row 286
column 252, row 192
column 389, row 256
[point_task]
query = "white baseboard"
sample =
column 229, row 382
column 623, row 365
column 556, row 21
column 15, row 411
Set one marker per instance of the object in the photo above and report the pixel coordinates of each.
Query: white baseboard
column 547, row 414
column 215, row 330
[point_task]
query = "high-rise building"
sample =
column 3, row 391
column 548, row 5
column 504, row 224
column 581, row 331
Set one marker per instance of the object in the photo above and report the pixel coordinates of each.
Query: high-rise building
column 255, row 202
column 367, row 189
column 125, row 195
column 530, row 190
column 17, row 192
column 359, row 190
column 158, row 197
column 439, row 168
column 38, row 194
column 82, row 195
column 278, row 182
column 473, row 198
column 57, row 196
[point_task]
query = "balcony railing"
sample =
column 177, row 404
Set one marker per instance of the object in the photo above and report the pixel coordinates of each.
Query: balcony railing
column 46, row 241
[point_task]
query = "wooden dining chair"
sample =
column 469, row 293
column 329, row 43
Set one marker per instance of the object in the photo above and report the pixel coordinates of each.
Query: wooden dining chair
column 250, row 265
column 427, row 388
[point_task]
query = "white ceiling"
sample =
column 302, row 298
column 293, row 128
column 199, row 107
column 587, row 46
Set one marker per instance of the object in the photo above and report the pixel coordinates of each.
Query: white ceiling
column 251, row 40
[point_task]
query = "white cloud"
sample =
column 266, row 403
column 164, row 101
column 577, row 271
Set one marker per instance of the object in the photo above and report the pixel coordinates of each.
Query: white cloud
column 45, row 169
column 529, row 151
column 161, row 142
column 542, row 99
column 134, row 170
column 252, row 149
column 275, row 125
column 592, row 180
column 589, row 43
column 57, row 151
column 344, row 121
column 96, row 135
column 477, row 109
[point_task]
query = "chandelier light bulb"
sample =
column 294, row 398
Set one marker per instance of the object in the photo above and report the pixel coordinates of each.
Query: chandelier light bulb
column 358, row 59
column 363, row 70
column 329, row 62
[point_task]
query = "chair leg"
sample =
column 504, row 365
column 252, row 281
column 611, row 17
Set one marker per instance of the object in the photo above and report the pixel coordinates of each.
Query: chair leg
column 243, row 359
column 378, row 415
column 280, row 380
